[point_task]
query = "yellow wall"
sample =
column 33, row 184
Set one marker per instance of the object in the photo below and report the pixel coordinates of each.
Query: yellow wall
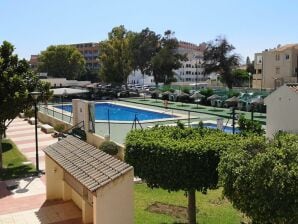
column 54, row 179
column 114, row 202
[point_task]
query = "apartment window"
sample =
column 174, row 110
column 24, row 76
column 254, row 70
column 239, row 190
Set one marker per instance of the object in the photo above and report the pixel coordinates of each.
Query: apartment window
column 277, row 57
column 277, row 70
column 287, row 57
column 259, row 71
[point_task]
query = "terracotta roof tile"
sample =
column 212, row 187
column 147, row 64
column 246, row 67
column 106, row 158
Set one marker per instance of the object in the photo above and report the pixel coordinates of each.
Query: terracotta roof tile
column 90, row 166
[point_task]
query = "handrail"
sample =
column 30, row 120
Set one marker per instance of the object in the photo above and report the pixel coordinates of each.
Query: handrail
column 75, row 126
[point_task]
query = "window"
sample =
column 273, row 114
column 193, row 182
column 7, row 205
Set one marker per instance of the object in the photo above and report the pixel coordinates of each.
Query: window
column 277, row 70
column 287, row 56
column 277, row 57
column 259, row 71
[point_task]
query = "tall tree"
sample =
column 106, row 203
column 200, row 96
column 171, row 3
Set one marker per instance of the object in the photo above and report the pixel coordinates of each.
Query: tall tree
column 166, row 59
column 62, row 61
column 250, row 66
column 115, row 57
column 16, row 82
column 218, row 57
column 144, row 46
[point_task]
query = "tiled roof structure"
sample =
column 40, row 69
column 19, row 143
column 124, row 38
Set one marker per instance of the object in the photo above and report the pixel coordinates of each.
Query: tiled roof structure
column 90, row 166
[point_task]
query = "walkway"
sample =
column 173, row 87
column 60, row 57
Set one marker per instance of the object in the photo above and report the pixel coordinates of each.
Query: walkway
column 23, row 201
column 23, row 135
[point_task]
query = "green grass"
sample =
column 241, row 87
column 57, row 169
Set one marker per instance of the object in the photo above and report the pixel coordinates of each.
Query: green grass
column 13, row 162
column 212, row 208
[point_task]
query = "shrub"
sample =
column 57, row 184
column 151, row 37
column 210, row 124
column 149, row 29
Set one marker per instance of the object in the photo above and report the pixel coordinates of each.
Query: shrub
column 247, row 126
column 186, row 90
column 29, row 113
column 261, row 179
column 109, row 147
column 59, row 127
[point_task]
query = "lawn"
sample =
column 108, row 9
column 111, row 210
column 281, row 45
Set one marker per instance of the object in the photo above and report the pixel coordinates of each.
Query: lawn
column 212, row 208
column 13, row 162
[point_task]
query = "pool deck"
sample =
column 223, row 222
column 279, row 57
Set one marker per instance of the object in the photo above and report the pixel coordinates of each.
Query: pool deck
column 119, row 129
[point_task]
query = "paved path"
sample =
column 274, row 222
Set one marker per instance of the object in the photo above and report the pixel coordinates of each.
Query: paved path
column 23, row 201
column 23, row 135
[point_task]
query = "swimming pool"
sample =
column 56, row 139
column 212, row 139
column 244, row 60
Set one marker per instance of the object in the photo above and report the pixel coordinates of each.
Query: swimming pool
column 114, row 112
column 226, row 129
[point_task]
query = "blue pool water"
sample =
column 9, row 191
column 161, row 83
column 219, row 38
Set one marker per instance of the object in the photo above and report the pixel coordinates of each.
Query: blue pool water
column 226, row 129
column 121, row 113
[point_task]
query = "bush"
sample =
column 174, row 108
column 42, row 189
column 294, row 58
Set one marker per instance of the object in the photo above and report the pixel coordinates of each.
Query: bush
column 185, row 90
column 232, row 93
column 247, row 126
column 109, row 147
column 261, row 179
column 29, row 113
column 59, row 127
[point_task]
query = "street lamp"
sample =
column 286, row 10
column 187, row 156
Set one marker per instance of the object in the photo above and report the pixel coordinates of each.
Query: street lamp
column 249, row 75
column 35, row 95
column 197, row 57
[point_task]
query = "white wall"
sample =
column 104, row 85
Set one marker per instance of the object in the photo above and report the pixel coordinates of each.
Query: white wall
column 137, row 78
column 282, row 111
column 114, row 201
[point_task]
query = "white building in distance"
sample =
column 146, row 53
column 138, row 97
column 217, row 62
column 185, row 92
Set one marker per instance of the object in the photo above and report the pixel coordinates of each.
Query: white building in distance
column 190, row 70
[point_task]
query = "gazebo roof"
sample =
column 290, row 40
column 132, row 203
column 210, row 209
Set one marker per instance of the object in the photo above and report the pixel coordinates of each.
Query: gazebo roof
column 68, row 91
column 90, row 166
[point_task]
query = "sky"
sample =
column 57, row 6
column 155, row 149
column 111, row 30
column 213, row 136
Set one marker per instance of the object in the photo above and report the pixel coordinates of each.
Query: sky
column 250, row 25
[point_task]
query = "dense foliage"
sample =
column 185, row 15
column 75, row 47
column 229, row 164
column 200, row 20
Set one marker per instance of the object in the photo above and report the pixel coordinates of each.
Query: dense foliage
column 116, row 57
column 16, row 82
column 109, row 147
column 247, row 126
column 218, row 58
column 261, row 179
column 177, row 158
column 62, row 61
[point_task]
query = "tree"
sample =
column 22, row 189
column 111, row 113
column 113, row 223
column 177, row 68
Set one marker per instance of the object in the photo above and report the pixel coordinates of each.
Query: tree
column 166, row 59
column 144, row 46
column 116, row 57
column 218, row 58
column 261, row 179
column 16, row 82
column 239, row 77
column 62, row 61
column 247, row 126
column 250, row 66
column 177, row 158
column 89, row 75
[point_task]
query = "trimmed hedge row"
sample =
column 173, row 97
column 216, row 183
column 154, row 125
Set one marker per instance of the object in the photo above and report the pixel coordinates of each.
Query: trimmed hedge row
column 261, row 179
column 176, row 158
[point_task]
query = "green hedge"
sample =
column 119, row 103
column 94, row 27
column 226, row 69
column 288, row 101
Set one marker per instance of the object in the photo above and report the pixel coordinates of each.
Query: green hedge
column 261, row 178
column 176, row 158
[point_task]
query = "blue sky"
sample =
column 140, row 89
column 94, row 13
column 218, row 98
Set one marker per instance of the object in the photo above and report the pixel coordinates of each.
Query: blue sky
column 251, row 26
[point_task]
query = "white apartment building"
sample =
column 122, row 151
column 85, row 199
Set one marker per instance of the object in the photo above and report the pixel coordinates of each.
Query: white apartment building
column 274, row 67
column 190, row 71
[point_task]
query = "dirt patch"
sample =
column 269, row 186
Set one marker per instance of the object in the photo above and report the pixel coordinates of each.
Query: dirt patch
column 179, row 212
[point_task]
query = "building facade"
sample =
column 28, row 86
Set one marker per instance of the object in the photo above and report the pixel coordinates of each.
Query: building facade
column 90, row 51
column 275, row 67
column 190, row 71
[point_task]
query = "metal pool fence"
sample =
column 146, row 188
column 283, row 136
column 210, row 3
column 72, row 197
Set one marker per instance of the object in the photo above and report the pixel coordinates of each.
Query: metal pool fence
column 118, row 130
